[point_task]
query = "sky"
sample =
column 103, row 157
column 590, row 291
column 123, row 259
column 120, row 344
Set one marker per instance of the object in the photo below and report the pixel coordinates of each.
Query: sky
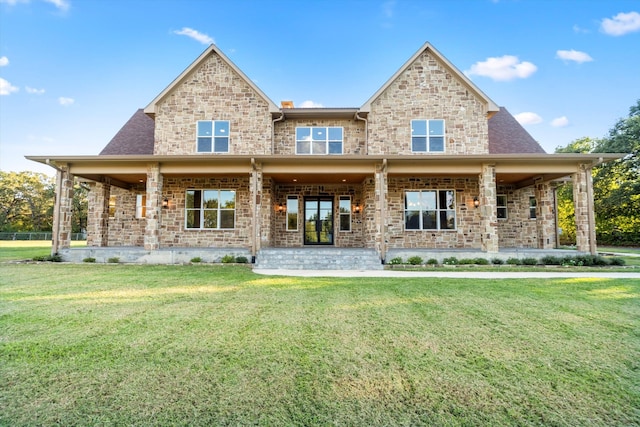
column 72, row 72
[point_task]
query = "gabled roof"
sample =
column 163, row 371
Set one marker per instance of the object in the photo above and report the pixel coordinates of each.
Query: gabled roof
column 507, row 136
column 212, row 49
column 135, row 137
column 491, row 106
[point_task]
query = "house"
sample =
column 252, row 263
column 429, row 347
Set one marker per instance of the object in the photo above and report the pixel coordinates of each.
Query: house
column 212, row 166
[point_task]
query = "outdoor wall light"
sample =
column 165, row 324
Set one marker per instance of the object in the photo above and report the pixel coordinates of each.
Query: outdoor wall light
column 476, row 202
column 357, row 209
column 281, row 208
column 165, row 203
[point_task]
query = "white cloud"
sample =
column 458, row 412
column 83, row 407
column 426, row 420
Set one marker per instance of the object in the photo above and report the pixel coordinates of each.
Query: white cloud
column 196, row 35
column 34, row 91
column 63, row 5
column 579, row 30
column 560, row 122
column 574, row 55
column 4, row 61
column 7, row 88
column 388, row 8
column 528, row 118
column 507, row 67
column 621, row 24
column 66, row 101
column 310, row 104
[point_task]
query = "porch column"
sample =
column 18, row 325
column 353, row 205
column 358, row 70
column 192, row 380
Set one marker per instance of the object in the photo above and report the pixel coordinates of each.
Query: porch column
column 584, row 211
column 154, row 207
column 488, row 209
column 61, row 232
column 98, row 214
column 545, row 215
column 381, row 189
column 255, row 184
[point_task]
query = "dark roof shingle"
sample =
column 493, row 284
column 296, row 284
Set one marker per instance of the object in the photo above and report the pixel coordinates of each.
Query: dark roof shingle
column 135, row 137
column 507, row 136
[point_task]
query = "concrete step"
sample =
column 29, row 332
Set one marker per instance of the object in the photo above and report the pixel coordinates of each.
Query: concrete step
column 318, row 258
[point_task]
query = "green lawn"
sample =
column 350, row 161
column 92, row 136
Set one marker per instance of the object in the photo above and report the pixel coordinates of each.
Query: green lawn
column 207, row 345
column 28, row 249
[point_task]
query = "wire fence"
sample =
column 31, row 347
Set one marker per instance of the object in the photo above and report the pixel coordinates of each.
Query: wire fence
column 36, row 236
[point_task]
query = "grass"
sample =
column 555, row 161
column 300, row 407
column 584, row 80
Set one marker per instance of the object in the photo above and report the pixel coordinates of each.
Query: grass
column 28, row 249
column 91, row 344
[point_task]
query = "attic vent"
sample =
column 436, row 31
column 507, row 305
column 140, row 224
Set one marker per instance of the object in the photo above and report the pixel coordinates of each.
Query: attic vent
column 286, row 104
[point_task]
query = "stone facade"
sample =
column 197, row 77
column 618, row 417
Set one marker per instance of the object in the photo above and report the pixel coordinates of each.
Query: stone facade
column 353, row 134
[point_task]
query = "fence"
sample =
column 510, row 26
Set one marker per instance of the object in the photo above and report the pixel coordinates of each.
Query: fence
column 36, row 236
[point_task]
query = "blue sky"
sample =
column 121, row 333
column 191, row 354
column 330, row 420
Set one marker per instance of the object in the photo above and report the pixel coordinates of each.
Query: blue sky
column 72, row 72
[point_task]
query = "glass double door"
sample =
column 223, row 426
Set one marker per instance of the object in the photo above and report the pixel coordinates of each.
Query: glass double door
column 318, row 221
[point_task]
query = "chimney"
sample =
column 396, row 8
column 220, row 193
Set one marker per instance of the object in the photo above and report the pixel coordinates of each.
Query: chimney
column 286, row 104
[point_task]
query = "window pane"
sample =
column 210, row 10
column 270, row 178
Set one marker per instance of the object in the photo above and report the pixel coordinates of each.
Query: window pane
column 204, row 145
column 436, row 127
column 447, row 220
column 418, row 127
column 319, row 147
column 436, row 143
column 303, row 147
column 210, row 219
column 221, row 128
column 227, row 218
column 502, row 213
column 193, row 219
column 345, row 204
column 429, row 200
column 228, row 199
column 221, row 145
column 419, row 144
column 335, row 134
column 429, row 220
column 204, row 128
column 193, row 199
column 292, row 220
column 446, row 200
column 345, row 222
column 335, row 147
column 211, row 199
column 412, row 220
column 319, row 134
column 292, row 204
column 412, row 200
column 303, row 134
column 501, row 200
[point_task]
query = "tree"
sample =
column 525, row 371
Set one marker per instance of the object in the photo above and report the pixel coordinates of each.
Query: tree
column 26, row 201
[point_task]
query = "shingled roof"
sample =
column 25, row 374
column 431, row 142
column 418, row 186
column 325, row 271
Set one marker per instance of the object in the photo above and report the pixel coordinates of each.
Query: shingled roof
column 135, row 137
column 507, row 136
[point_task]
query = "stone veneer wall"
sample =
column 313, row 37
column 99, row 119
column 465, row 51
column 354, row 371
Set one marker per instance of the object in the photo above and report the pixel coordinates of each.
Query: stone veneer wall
column 267, row 212
column 353, row 134
column 172, row 229
column 518, row 230
column 98, row 214
column 426, row 90
column 342, row 239
column 467, row 234
column 124, row 228
column 213, row 92
column 545, row 213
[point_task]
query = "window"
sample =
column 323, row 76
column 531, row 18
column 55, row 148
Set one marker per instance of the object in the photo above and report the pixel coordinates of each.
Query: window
column 292, row 213
column 427, row 136
column 345, row 213
column 141, row 206
column 533, row 204
column 319, row 140
column 430, row 210
column 501, row 202
column 213, row 136
column 112, row 206
column 210, row 209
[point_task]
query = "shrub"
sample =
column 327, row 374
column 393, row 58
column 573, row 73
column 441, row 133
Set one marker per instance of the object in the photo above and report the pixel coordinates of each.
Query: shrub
column 395, row 261
column 89, row 259
column 466, row 261
column 497, row 261
column 529, row 261
column 415, row 260
column 242, row 259
column 228, row 259
column 196, row 259
column 450, row 261
column 480, row 261
column 616, row 261
column 48, row 258
column 551, row 260
column 432, row 261
column 514, row 261
column 113, row 260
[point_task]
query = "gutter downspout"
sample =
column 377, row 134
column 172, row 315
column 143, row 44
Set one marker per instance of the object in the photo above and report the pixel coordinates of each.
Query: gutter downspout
column 273, row 132
column 366, row 132
column 55, row 238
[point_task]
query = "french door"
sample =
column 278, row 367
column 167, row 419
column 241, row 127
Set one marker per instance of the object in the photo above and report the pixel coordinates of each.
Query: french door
column 318, row 221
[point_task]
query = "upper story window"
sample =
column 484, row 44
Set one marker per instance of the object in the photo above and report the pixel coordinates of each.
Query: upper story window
column 213, row 136
column 319, row 140
column 210, row 209
column 427, row 136
column 430, row 210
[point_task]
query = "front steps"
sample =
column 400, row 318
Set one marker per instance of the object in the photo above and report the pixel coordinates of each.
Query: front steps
column 318, row 258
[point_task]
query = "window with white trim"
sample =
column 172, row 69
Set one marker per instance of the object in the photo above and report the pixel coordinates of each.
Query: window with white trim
column 210, row 209
column 533, row 204
column 430, row 210
column 212, row 136
column 112, row 206
column 292, row 213
column 501, row 204
column 344, row 213
column 141, row 206
column 319, row 140
column 427, row 136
